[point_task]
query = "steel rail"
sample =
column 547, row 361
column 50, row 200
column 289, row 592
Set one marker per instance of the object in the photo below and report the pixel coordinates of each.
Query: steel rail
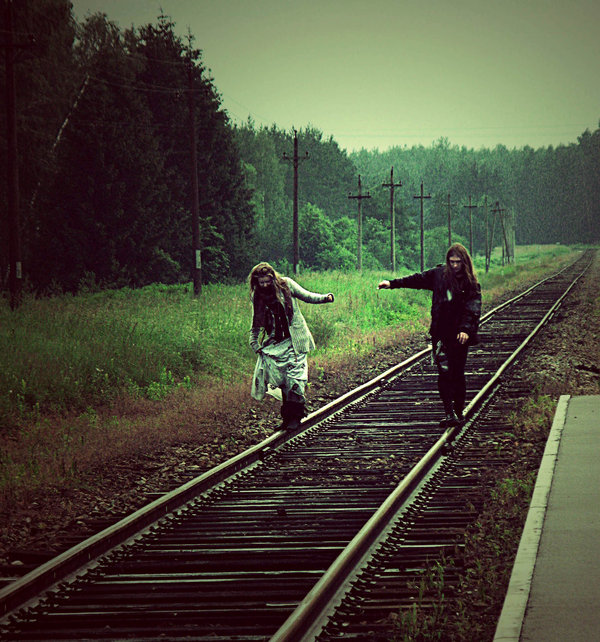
column 47, row 575
column 316, row 606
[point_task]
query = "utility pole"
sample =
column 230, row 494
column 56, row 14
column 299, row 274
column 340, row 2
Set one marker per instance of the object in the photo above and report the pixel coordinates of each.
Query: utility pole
column 392, row 185
column 470, row 208
column 450, row 221
column 359, row 198
column 500, row 211
column 422, row 230
column 487, row 242
column 295, row 227
column 197, row 270
column 15, row 275
column 491, row 246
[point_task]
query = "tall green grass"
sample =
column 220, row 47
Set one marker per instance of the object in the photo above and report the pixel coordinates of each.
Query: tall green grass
column 71, row 352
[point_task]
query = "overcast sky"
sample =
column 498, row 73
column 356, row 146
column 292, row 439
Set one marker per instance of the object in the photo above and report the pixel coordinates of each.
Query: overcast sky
column 381, row 73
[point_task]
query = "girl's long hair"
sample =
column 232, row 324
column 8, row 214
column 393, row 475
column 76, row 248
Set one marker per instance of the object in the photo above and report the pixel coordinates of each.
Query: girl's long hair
column 281, row 290
column 449, row 276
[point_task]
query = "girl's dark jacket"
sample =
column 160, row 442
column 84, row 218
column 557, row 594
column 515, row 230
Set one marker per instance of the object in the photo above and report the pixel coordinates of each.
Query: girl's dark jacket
column 451, row 311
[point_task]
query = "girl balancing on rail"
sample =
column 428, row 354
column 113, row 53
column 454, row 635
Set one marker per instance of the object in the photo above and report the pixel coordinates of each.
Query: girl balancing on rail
column 281, row 339
column 455, row 312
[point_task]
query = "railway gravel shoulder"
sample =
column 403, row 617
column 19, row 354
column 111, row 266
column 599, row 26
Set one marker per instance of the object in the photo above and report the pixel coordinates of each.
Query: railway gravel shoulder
column 583, row 369
column 339, row 459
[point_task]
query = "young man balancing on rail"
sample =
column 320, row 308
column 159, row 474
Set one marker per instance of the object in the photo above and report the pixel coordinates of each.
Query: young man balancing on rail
column 455, row 312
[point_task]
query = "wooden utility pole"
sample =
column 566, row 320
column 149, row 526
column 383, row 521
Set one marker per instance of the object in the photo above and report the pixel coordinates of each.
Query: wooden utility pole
column 450, row 221
column 295, row 227
column 470, row 207
column 487, row 242
column 391, row 186
column 491, row 246
column 500, row 211
column 15, row 274
column 359, row 197
column 422, row 197
column 197, row 269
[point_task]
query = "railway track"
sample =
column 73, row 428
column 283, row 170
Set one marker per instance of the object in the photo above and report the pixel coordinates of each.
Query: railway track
column 311, row 535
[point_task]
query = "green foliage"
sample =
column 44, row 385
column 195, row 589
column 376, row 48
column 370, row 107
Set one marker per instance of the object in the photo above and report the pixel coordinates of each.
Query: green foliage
column 426, row 619
column 68, row 353
column 541, row 188
column 108, row 203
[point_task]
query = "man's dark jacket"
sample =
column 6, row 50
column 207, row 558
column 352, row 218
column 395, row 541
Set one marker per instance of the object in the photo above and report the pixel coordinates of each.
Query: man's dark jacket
column 451, row 311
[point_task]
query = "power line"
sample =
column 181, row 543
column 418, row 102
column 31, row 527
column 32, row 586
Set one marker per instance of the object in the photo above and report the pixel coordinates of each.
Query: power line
column 148, row 88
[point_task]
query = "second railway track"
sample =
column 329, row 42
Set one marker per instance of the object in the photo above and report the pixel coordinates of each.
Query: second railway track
column 267, row 546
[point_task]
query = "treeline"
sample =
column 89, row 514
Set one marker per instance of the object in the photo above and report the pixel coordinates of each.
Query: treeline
column 104, row 136
column 104, row 156
column 552, row 194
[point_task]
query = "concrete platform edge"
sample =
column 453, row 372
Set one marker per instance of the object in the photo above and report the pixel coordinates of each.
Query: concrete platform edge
column 511, row 618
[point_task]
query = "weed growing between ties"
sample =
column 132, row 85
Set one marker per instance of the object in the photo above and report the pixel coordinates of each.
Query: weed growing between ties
column 468, row 609
column 427, row 618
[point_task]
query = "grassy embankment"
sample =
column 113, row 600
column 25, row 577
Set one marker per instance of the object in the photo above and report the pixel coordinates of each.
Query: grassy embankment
column 86, row 379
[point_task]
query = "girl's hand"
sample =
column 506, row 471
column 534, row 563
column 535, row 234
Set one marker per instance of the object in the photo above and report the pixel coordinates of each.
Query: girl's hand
column 330, row 298
column 384, row 285
column 462, row 337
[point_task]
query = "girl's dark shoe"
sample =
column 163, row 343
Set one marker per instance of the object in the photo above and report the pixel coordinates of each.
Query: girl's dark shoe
column 449, row 420
column 458, row 411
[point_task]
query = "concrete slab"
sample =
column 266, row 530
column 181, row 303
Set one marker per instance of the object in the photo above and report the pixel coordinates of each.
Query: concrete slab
column 554, row 591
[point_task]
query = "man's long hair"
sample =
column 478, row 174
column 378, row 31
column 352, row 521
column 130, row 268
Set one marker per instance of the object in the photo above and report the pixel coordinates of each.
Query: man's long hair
column 282, row 291
column 469, row 273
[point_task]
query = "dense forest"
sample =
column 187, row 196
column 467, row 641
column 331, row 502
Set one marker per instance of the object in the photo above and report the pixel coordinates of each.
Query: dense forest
column 104, row 131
